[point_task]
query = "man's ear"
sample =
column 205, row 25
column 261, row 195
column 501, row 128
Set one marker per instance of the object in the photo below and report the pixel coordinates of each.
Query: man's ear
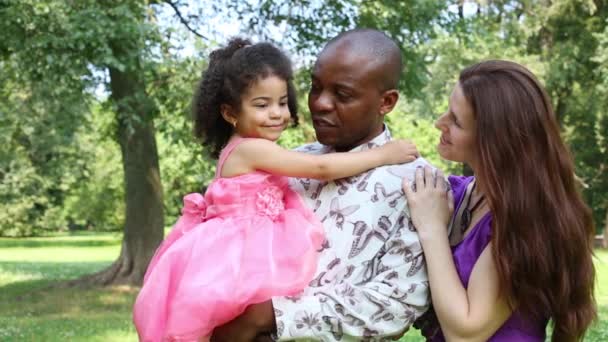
column 228, row 114
column 388, row 101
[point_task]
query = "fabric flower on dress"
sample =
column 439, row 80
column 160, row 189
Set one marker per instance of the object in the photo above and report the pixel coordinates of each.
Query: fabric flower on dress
column 195, row 206
column 270, row 202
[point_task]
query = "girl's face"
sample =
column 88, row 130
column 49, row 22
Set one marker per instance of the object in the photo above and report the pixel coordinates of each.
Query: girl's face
column 264, row 112
column 458, row 130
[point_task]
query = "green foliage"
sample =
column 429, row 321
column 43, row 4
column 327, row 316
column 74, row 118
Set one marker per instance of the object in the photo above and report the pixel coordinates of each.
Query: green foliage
column 58, row 184
column 41, row 160
column 60, row 166
column 52, row 57
column 309, row 25
column 96, row 202
column 411, row 25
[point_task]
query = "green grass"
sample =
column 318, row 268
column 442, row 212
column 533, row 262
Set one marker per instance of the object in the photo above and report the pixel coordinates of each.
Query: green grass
column 599, row 332
column 31, row 311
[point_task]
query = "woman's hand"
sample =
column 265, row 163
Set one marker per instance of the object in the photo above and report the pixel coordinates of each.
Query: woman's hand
column 399, row 151
column 429, row 201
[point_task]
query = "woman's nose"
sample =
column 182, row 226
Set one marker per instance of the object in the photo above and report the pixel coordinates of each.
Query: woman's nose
column 439, row 123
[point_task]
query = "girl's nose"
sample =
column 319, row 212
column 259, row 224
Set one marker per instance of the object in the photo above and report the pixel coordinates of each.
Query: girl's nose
column 275, row 112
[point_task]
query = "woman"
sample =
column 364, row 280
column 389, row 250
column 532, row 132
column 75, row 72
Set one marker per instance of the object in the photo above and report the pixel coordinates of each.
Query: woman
column 521, row 249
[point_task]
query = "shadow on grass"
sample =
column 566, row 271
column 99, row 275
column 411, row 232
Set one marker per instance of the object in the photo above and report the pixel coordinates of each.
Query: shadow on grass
column 114, row 327
column 23, row 290
column 68, row 314
column 33, row 276
column 43, row 243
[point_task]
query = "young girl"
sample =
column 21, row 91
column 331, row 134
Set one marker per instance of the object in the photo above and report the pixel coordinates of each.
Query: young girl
column 249, row 237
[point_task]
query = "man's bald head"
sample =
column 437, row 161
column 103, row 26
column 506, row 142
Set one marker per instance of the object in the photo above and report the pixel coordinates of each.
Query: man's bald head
column 378, row 47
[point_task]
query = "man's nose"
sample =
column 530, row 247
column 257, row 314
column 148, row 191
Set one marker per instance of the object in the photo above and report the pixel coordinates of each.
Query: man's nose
column 321, row 103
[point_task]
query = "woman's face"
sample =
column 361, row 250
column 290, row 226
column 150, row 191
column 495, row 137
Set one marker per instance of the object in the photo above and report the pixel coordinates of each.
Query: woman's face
column 458, row 130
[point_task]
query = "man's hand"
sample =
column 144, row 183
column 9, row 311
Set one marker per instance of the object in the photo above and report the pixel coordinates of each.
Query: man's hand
column 257, row 319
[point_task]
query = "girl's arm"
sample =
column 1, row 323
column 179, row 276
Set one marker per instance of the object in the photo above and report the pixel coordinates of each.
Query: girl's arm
column 472, row 314
column 265, row 155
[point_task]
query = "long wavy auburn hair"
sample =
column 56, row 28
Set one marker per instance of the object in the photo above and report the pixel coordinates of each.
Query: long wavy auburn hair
column 542, row 230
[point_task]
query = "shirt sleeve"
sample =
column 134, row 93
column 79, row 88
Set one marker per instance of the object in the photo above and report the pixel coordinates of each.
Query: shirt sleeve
column 383, row 305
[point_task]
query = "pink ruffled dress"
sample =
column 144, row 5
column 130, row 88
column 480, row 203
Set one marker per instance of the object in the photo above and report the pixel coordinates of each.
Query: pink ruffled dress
column 249, row 238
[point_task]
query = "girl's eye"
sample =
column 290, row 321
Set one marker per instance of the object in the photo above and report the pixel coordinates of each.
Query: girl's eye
column 260, row 105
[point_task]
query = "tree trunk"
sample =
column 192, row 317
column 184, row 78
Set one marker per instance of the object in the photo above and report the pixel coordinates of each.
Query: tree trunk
column 605, row 242
column 144, row 195
column 143, row 229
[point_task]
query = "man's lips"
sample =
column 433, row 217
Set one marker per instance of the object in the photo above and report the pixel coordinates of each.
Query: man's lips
column 322, row 122
column 444, row 141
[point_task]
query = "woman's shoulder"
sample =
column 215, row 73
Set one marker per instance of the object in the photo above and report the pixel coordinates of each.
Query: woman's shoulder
column 459, row 184
column 459, row 181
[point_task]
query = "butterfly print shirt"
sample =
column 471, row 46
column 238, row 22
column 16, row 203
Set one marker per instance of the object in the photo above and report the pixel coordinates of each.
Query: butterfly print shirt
column 371, row 281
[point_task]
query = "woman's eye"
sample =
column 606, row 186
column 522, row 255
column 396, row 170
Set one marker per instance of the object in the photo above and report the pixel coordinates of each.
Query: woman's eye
column 453, row 117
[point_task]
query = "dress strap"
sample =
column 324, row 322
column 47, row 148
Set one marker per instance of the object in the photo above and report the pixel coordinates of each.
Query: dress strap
column 454, row 233
column 225, row 153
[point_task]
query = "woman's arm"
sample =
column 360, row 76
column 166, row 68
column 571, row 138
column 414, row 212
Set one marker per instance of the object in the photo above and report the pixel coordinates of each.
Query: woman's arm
column 265, row 155
column 472, row 314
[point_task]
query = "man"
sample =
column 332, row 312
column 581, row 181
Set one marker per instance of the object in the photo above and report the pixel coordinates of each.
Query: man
column 370, row 283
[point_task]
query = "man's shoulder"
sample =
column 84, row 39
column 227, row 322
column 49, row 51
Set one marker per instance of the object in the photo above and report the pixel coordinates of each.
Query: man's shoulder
column 399, row 171
column 312, row 148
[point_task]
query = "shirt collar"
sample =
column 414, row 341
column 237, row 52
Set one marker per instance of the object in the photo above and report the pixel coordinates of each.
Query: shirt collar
column 379, row 140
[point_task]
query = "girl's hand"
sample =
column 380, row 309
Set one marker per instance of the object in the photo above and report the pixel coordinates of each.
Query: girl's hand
column 399, row 151
column 430, row 202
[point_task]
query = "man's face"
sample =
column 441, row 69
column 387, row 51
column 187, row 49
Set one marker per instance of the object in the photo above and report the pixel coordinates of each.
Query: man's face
column 345, row 98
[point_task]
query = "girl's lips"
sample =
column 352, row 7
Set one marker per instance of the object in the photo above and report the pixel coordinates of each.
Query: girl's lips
column 444, row 141
column 277, row 126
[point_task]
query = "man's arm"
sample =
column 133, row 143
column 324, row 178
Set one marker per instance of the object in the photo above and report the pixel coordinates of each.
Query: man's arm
column 384, row 304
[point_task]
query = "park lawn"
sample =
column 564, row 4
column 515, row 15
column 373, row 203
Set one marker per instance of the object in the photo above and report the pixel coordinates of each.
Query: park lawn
column 31, row 311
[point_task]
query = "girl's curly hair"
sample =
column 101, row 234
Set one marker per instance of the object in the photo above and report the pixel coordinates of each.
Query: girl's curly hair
column 231, row 71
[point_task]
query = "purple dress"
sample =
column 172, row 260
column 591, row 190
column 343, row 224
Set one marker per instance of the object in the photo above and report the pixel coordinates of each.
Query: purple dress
column 517, row 327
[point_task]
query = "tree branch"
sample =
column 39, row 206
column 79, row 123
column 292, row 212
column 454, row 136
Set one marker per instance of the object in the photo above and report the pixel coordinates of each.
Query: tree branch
column 183, row 20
